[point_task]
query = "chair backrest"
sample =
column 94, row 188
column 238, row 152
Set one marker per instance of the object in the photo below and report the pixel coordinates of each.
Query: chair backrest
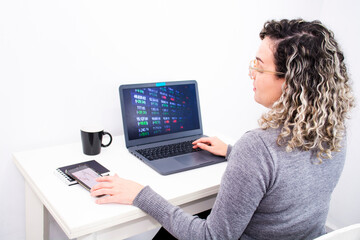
column 351, row 232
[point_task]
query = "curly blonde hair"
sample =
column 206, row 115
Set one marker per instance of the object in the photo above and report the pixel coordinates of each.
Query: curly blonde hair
column 316, row 96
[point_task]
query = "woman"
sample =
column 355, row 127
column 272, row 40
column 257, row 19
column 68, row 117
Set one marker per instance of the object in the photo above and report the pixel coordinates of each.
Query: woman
column 279, row 178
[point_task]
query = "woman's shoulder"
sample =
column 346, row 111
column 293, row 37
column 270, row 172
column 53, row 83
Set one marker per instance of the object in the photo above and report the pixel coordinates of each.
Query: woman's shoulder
column 266, row 137
column 260, row 144
column 251, row 155
column 256, row 142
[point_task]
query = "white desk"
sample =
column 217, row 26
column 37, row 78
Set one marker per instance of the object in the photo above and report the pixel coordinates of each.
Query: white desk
column 76, row 211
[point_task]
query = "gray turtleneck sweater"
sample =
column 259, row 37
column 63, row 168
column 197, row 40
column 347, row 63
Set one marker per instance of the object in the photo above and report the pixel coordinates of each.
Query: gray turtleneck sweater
column 265, row 193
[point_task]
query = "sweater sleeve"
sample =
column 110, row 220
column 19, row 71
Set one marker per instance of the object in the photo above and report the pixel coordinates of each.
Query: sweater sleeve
column 242, row 187
column 228, row 152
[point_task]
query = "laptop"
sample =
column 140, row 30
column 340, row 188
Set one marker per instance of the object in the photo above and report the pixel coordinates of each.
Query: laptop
column 161, row 120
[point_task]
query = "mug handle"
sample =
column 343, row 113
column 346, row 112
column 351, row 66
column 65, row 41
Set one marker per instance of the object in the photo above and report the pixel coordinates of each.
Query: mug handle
column 106, row 145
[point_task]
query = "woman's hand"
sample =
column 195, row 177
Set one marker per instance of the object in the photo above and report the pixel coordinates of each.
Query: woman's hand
column 119, row 190
column 211, row 144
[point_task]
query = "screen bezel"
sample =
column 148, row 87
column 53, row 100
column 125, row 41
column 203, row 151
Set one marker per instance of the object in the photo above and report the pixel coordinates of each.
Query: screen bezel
column 170, row 136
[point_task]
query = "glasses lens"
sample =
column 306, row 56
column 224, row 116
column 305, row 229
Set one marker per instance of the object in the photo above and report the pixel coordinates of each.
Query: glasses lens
column 251, row 69
column 253, row 63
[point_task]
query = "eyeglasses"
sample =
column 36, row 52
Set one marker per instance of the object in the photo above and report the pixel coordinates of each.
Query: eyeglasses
column 253, row 68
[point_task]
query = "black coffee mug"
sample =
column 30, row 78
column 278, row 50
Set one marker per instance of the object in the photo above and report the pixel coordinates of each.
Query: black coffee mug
column 91, row 139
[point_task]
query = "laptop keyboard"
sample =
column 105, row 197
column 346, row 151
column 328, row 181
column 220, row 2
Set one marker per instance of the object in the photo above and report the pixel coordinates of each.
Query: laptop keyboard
column 168, row 150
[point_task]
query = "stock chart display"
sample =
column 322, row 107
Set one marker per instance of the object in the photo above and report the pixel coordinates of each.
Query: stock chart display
column 154, row 111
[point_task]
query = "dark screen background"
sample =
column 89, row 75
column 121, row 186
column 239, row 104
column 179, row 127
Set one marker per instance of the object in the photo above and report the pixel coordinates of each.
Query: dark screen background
column 155, row 111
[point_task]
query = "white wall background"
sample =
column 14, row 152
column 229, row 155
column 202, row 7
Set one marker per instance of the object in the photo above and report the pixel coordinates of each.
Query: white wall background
column 61, row 63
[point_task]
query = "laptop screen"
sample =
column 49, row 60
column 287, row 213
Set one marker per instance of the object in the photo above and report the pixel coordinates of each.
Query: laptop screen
column 159, row 109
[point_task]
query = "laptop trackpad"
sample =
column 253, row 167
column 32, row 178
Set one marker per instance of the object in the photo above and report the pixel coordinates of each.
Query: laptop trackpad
column 197, row 158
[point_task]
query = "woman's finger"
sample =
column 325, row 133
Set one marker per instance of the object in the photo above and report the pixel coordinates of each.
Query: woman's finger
column 103, row 191
column 105, row 179
column 102, row 185
column 204, row 146
column 202, row 140
column 106, row 199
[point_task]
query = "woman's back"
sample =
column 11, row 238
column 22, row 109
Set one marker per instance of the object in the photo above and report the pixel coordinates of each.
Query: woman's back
column 297, row 189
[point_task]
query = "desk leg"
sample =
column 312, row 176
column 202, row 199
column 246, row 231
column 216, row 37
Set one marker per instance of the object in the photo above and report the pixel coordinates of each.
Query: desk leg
column 37, row 222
